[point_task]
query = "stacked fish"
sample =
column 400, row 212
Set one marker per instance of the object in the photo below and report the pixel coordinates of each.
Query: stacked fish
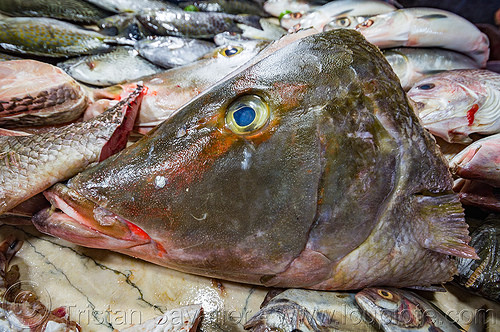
column 216, row 80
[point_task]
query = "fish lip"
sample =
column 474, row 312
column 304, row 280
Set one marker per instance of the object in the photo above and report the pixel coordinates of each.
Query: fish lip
column 69, row 218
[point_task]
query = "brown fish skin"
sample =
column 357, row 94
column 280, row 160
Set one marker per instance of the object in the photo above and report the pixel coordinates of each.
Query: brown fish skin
column 36, row 93
column 337, row 187
column 31, row 164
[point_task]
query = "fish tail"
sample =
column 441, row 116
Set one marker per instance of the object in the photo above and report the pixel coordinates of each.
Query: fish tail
column 251, row 20
column 447, row 231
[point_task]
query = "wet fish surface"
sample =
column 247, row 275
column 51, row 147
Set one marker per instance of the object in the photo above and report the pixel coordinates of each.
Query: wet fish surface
column 172, row 51
column 118, row 66
column 31, row 164
column 227, row 6
column 50, row 37
column 69, row 10
column 398, row 310
column 193, row 24
column 413, row 64
column 483, row 276
column 35, row 93
column 202, row 192
column 458, row 103
column 426, row 27
column 305, row 310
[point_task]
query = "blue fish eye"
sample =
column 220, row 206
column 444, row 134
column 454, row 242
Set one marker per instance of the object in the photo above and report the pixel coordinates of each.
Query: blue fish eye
column 244, row 116
column 231, row 51
column 426, row 86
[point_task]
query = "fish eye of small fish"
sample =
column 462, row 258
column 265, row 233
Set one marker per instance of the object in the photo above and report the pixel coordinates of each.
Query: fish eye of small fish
column 230, row 51
column 427, row 86
column 385, row 294
column 247, row 114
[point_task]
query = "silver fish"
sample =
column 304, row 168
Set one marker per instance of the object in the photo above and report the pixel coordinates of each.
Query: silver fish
column 118, row 66
column 31, row 164
column 172, row 51
column 397, row 310
column 426, row 27
column 311, row 311
column 457, row 103
column 413, row 64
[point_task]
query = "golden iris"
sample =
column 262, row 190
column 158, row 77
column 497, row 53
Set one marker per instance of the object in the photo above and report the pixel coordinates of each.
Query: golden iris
column 230, row 51
column 247, row 114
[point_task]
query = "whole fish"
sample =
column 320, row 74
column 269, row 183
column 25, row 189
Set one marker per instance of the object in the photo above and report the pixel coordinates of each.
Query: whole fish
column 458, row 103
column 50, row 37
column 133, row 6
column 37, row 93
column 172, row 51
column 226, row 6
column 69, row 10
column 483, row 276
column 396, row 310
column 426, row 27
column 31, row 164
column 479, row 161
column 108, row 68
column 304, row 168
column 482, row 195
column 306, row 310
column 321, row 16
column 169, row 90
column 413, row 64
column 193, row 24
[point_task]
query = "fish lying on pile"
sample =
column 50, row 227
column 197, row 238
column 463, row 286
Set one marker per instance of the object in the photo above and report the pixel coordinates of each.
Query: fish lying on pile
column 455, row 104
column 349, row 206
column 36, row 93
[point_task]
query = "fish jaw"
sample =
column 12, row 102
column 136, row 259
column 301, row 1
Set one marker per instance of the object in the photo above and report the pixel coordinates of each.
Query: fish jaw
column 79, row 220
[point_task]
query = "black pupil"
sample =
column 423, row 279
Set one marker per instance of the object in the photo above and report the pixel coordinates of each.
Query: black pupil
column 244, row 116
column 231, row 51
column 384, row 293
column 426, row 86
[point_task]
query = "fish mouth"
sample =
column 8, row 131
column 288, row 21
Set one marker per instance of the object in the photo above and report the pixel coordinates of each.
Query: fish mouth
column 75, row 218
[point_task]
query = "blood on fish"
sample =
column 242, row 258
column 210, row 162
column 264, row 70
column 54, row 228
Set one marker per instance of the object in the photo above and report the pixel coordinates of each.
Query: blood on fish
column 471, row 113
column 137, row 230
column 59, row 312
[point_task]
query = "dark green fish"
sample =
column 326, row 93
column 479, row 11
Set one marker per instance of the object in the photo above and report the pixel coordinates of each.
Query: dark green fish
column 50, row 37
column 227, row 6
column 69, row 10
column 483, row 276
column 193, row 24
column 304, row 168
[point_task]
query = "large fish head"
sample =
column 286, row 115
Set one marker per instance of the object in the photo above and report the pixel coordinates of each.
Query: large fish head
column 229, row 186
column 443, row 101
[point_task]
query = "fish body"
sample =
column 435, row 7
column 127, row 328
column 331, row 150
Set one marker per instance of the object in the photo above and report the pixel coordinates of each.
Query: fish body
column 133, row 6
column 479, row 161
column 193, row 24
column 124, row 25
column 173, row 51
column 413, row 64
column 306, row 310
column 304, row 168
column 458, row 103
column 31, row 164
column 426, row 27
column 36, row 93
column 227, row 6
column 49, row 37
column 69, row 10
column 108, row 68
column 397, row 310
column 321, row 16
column 483, row 276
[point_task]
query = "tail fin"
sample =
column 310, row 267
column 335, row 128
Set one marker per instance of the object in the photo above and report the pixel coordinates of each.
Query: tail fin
column 447, row 231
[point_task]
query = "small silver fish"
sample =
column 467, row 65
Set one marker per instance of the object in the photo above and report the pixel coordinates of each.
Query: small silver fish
column 413, row 64
column 121, row 65
column 397, row 310
column 314, row 311
column 457, row 103
column 426, row 27
column 172, row 51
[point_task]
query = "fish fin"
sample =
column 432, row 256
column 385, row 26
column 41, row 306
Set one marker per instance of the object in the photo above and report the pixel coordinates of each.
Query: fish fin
column 251, row 20
column 433, row 16
column 447, row 231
